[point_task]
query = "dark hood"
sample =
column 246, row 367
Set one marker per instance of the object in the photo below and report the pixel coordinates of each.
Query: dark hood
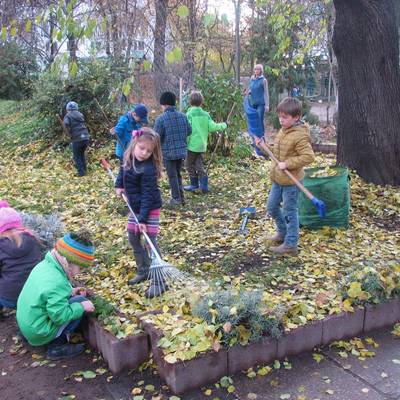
column 76, row 116
column 9, row 247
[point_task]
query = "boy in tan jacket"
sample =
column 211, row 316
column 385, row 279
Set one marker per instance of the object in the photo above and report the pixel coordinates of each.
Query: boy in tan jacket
column 292, row 147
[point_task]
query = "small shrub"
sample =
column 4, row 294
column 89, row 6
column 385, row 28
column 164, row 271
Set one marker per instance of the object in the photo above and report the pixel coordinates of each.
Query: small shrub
column 48, row 228
column 19, row 69
column 95, row 80
column 238, row 316
column 365, row 284
column 311, row 118
column 220, row 93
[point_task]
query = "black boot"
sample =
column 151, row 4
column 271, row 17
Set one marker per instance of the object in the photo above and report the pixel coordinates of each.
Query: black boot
column 143, row 264
column 137, row 279
column 67, row 350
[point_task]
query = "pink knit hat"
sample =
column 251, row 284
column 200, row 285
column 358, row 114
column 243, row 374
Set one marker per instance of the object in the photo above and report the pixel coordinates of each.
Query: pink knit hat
column 9, row 219
column 4, row 203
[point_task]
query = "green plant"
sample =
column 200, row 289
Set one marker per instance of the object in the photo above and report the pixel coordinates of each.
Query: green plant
column 19, row 70
column 103, row 309
column 238, row 316
column 364, row 284
column 220, row 93
column 311, row 118
column 93, row 83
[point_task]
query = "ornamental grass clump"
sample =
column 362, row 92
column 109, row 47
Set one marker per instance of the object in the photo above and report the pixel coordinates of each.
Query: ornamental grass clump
column 48, row 228
column 238, row 316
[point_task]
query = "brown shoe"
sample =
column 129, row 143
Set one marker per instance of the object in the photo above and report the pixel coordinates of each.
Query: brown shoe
column 276, row 237
column 283, row 249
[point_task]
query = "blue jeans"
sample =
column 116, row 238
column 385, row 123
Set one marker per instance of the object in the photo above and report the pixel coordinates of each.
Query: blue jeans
column 286, row 217
column 7, row 303
column 71, row 326
column 78, row 150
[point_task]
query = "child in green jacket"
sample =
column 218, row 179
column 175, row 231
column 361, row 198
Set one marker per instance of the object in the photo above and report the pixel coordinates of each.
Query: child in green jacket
column 49, row 309
column 202, row 124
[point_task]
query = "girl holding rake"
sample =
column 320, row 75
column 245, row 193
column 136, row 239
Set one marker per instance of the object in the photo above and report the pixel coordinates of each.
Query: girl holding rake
column 138, row 179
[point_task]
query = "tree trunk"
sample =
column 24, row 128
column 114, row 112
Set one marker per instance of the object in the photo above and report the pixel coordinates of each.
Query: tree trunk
column 159, row 45
column 366, row 44
column 237, row 40
column 190, row 46
column 333, row 63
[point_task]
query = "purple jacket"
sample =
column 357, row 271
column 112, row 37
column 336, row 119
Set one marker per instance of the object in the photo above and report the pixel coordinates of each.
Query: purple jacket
column 16, row 264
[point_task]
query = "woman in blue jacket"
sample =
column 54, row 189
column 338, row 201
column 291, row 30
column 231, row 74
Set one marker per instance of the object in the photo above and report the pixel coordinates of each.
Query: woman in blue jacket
column 258, row 92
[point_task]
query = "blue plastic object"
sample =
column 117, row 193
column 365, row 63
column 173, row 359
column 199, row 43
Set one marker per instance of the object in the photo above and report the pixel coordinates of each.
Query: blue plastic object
column 320, row 206
column 253, row 119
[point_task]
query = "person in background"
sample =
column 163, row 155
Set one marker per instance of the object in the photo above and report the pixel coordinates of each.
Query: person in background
column 258, row 92
column 20, row 251
column 131, row 121
column 174, row 129
column 202, row 124
column 74, row 123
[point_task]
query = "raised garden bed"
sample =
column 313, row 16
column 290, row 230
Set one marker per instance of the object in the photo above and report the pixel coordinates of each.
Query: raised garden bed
column 342, row 326
column 299, row 340
column 241, row 358
column 186, row 375
column 126, row 353
column 208, row 367
column 380, row 315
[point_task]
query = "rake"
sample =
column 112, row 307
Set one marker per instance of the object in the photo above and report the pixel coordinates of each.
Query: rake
column 161, row 273
column 319, row 204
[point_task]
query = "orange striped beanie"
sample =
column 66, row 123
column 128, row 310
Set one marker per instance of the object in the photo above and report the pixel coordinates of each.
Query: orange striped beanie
column 75, row 250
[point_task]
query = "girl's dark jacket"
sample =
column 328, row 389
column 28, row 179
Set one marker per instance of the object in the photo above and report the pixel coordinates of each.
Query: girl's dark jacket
column 140, row 184
column 16, row 264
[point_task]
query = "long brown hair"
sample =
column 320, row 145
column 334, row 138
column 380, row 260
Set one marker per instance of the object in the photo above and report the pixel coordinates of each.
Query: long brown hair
column 141, row 135
column 15, row 235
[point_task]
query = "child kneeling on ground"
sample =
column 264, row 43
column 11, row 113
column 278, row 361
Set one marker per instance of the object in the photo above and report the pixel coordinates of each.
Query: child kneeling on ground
column 292, row 147
column 49, row 309
column 202, row 124
column 20, row 251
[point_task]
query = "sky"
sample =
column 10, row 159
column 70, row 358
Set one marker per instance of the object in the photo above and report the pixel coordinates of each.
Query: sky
column 226, row 7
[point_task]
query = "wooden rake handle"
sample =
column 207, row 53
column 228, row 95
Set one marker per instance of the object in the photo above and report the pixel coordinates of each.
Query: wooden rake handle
column 267, row 150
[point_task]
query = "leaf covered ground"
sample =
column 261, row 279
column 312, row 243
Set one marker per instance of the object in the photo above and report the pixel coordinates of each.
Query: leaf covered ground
column 202, row 238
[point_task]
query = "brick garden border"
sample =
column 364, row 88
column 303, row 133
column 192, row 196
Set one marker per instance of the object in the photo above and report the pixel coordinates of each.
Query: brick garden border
column 127, row 353
column 186, row 375
column 210, row 366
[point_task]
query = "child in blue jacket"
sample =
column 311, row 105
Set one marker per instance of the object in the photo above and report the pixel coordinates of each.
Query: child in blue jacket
column 129, row 122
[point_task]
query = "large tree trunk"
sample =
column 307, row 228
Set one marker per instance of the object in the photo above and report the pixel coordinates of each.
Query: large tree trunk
column 190, row 46
column 366, row 43
column 237, row 40
column 159, row 45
